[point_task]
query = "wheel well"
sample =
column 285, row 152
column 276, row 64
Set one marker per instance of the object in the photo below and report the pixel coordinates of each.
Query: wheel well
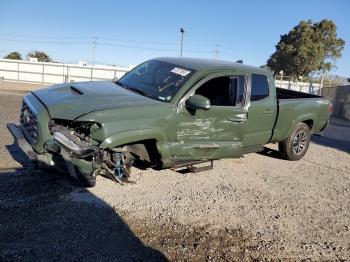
column 309, row 122
column 145, row 150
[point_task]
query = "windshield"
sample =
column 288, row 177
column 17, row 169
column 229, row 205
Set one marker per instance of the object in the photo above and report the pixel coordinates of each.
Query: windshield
column 156, row 79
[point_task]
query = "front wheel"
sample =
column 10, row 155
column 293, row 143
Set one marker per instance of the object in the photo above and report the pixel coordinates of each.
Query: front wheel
column 294, row 147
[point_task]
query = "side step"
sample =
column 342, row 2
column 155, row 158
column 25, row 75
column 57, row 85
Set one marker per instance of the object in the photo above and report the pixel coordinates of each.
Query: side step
column 193, row 167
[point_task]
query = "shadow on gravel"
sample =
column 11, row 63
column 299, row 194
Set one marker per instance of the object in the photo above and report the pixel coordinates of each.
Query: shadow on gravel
column 39, row 221
column 271, row 153
column 18, row 155
column 323, row 141
column 335, row 135
column 332, row 142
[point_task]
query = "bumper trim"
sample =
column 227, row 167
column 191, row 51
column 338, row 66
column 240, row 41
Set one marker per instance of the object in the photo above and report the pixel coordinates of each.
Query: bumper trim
column 23, row 144
column 74, row 150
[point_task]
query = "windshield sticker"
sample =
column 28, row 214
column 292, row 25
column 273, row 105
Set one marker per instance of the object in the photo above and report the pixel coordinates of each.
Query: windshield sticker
column 180, row 71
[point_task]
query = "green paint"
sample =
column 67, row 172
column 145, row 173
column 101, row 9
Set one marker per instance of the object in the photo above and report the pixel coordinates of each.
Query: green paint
column 181, row 134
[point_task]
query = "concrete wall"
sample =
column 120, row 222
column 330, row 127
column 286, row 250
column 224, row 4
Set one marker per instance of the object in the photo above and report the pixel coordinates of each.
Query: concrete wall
column 340, row 97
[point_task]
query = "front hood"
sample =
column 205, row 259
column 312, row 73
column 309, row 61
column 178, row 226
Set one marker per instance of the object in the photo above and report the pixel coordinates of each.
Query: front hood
column 71, row 100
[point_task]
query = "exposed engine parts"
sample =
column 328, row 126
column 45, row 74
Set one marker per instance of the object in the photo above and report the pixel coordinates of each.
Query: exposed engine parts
column 73, row 138
column 116, row 164
column 77, row 132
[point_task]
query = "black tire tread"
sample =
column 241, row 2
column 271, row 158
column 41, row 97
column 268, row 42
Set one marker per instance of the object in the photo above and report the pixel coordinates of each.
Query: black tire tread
column 285, row 147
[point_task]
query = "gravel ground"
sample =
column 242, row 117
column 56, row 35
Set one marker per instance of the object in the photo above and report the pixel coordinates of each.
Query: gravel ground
column 257, row 208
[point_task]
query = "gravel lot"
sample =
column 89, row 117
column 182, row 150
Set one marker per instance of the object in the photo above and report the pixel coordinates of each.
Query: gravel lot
column 259, row 207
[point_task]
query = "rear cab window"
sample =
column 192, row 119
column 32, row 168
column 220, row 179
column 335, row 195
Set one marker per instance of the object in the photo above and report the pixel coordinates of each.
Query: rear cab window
column 260, row 87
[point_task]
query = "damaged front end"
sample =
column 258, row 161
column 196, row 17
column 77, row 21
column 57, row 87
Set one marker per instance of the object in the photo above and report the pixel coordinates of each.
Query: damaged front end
column 68, row 145
column 84, row 159
column 72, row 137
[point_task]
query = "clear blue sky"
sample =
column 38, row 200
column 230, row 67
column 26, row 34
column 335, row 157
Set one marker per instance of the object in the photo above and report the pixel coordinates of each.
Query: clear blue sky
column 130, row 32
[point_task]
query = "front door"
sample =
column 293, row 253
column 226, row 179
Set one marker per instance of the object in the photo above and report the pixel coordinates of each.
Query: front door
column 214, row 133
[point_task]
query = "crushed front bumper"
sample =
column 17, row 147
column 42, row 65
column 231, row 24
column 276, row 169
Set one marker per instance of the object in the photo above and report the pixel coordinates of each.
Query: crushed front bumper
column 21, row 141
column 80, row 169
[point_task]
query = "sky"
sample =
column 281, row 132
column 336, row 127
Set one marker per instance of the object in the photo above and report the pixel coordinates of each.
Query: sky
column 130, row 32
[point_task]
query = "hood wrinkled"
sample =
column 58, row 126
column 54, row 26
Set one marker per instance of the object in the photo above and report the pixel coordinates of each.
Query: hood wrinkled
column 71, row 100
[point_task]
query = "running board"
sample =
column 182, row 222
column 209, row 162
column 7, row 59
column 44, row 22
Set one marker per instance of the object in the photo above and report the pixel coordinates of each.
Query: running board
column 193, row 167
column 253, row 149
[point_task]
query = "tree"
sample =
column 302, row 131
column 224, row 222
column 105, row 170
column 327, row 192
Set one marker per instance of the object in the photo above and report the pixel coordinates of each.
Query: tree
column 14, row 56
column 308, row 48
column 40, row 55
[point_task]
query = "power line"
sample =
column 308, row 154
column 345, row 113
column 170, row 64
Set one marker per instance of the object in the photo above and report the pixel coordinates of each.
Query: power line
column 110, row 39
column 95, row 42
column 152, row 48
column 136, row 47
column 45, row 36
column 43, row 42
column 151, row 42
column 136, row 41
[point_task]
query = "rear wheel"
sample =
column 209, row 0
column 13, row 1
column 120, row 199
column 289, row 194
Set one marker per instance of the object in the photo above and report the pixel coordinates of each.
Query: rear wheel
column 294, row 147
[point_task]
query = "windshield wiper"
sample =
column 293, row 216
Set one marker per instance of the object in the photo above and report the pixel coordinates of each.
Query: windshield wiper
column 137, row 91
column 134, row 90
column 119, row 83
column 140, row 92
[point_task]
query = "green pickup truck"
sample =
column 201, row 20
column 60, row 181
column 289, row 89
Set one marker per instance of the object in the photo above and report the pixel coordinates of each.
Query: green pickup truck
column 168, row 113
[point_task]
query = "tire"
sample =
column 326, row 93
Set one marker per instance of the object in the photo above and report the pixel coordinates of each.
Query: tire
column 295, row 146
column 84, row 180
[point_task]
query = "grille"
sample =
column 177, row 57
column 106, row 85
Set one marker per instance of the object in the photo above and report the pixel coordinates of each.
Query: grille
column 29, row 124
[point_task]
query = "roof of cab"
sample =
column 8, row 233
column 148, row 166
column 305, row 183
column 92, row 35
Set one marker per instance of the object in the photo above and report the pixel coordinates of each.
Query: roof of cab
column 210, row 64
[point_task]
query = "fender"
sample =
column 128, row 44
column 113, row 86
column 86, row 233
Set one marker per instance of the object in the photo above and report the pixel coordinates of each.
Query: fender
column 132, row 136
column 302, row 118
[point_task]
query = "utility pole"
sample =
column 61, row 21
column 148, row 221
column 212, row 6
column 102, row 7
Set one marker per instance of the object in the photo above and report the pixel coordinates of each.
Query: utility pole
column 281, row 73
column 216, row 51
column 321, row 84
column 94, row 44
column 182, row 31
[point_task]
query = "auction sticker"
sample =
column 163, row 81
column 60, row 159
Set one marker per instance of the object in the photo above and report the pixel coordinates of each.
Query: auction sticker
column 180, row 71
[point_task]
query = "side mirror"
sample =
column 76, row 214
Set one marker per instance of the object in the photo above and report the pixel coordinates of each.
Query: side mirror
column 198, row 102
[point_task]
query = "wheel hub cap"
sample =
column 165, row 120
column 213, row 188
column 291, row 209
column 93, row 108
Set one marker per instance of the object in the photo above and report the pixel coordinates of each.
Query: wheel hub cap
column 299, row 142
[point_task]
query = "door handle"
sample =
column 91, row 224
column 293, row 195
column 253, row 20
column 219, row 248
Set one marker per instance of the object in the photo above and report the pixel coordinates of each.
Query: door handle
column 238, row 118
column 267, row 112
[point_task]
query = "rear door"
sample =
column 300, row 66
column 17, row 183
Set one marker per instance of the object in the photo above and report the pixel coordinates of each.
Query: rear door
column 262, row 112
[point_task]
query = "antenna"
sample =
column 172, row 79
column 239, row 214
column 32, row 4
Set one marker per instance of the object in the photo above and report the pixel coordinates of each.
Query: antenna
column 216, row 51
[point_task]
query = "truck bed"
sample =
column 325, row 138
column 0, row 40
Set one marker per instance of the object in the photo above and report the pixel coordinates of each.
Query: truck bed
column 294, row 107
column 290, row 94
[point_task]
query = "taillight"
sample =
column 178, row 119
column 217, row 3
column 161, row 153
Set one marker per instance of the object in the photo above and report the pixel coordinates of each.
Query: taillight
column 330, row 108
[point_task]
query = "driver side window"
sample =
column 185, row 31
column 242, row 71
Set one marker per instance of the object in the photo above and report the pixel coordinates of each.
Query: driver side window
column 223, row 90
